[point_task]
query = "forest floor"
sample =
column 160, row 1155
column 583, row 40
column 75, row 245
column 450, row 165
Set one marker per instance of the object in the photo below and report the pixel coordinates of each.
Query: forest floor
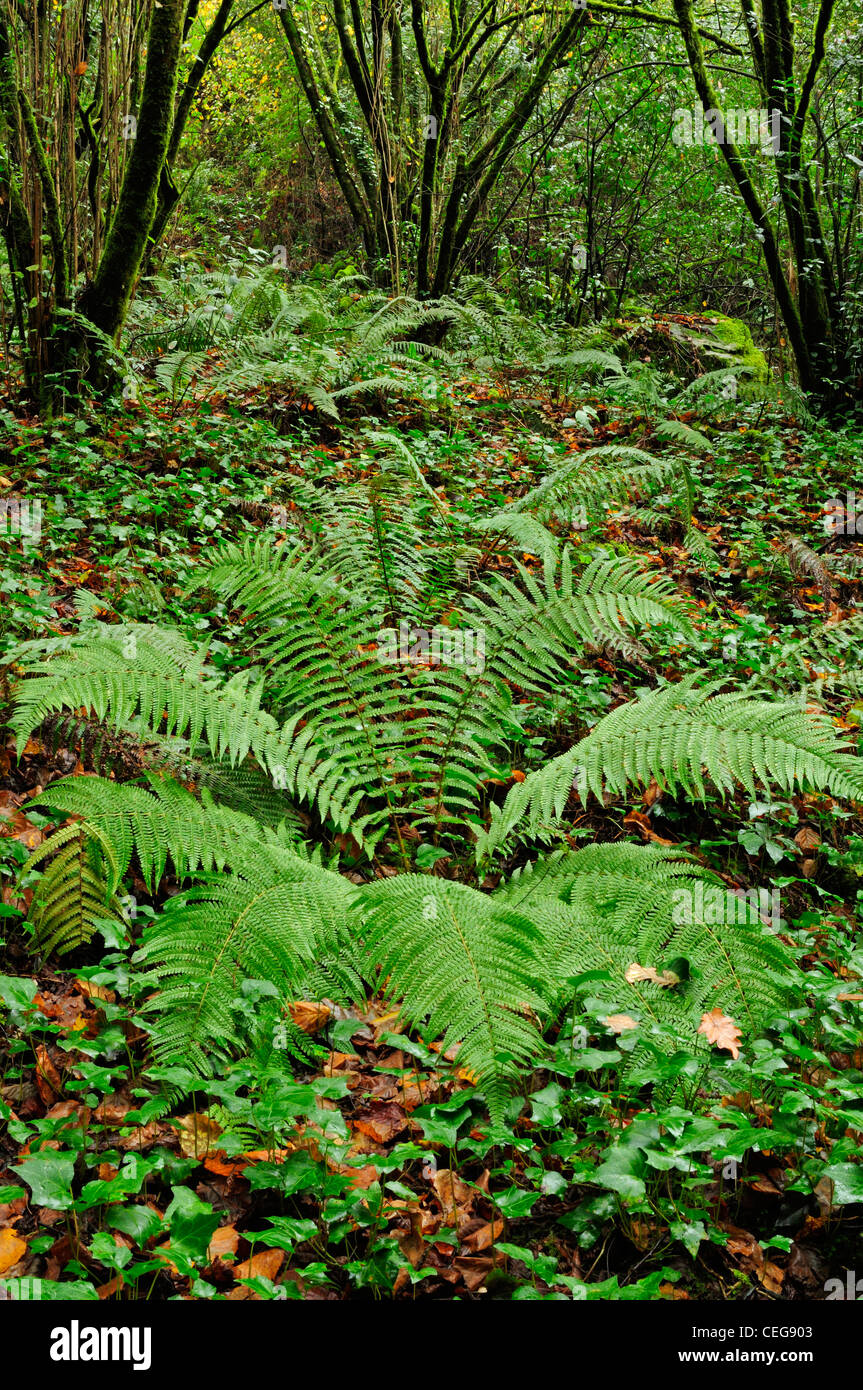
column 380, row 1182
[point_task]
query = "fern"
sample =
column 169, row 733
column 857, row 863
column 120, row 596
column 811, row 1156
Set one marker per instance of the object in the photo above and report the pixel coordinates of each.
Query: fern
column 209, row 939
column 73, row 899
column 680, row 433
column 677, row 735
column 463, row 967
column 611, row 907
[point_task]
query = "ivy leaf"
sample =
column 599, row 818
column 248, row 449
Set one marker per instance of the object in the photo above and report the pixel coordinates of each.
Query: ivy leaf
column 847, row 1180
column 623, row 1171
column 192, row 1223
column 49, row 1177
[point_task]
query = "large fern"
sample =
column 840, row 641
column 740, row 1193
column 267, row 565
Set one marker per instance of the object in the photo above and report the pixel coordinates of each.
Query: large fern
column 682, row 734
column 463, row 967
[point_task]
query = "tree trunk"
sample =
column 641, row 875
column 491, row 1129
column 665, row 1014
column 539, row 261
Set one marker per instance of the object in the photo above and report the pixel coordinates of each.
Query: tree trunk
column 105, row 301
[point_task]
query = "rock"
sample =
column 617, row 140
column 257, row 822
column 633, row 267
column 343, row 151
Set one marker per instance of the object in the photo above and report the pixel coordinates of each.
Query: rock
column 690, row 345
column 727, row 342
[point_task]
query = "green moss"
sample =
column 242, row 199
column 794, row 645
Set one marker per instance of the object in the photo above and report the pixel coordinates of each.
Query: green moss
column 734, row 335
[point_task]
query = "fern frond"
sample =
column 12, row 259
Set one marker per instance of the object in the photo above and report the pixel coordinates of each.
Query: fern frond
column 462, row 967
column 680, row 734
column 74, row 896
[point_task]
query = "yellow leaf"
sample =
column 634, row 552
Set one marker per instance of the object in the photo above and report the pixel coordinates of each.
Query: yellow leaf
column 12, row 1247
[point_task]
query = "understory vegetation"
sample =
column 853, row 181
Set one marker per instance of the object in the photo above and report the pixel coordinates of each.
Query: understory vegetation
column 431, row 813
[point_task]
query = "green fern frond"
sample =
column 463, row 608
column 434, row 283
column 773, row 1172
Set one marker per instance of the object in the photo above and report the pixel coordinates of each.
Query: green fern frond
column 629, row 911
column 462, row 967
column 682, row 433
column 228, row 929
column 167, row 823
column 74, row 896
column 680, row 734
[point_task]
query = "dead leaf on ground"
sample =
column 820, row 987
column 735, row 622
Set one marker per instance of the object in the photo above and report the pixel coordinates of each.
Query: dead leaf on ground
column 474, row 1269
column 807, row 838
column 197, row 1134
column 411, row 1243
column 382, row 1122
column 265, row 1265
column 455, row 1197
column 113, row 1286
column 310, row 1018
column 225, row 1241
column 112, row 1110
column 486, row 1235
column 635, row 973
column 721, row 1031
column 619, row 1023
column 641, row 822
column 93, row 991
column 12, row 1248
column 652, row 792
column 48, row 1081
column 144, row 1136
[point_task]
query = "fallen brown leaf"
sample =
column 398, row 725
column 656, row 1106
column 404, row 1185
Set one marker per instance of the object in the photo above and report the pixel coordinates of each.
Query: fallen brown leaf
column 311, row 1018
column 807, row 838
column 382, row 1122
column 12, row 1247
column 636, row 973
column 264, row 1265
column 721, row 1031
column 48, row 1081
column 225, row 1241
column 197, row 1134
column 641, row 822
column 619, row 1023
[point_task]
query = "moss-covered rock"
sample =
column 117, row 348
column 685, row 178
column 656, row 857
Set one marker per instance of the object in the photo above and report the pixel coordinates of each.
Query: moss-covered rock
column 734, row 347
column 688, row 345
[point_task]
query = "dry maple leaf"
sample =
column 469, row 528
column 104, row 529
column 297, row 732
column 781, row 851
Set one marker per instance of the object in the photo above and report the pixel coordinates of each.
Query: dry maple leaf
column 721, row 1031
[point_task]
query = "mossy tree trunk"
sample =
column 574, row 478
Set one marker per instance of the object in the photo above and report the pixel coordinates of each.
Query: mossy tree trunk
column 105, row 301
column 75, row 120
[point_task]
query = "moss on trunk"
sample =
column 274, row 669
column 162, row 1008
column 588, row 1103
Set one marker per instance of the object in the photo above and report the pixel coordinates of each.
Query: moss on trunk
column 105, row 302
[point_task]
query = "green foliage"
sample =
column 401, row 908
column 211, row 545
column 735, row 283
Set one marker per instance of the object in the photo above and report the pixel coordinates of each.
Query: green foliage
column 72, row 899
column 610, row 908
column 337, row 736
column 678, row 734
column 463, row 966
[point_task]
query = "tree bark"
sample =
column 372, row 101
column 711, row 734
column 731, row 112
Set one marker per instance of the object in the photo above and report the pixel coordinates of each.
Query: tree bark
column 105, row 301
